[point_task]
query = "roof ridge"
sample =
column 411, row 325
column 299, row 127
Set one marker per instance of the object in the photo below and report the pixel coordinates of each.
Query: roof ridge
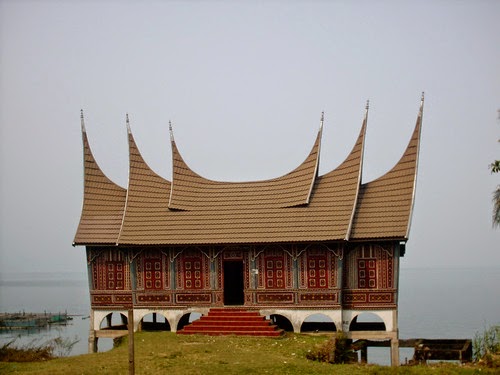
column 419, row 126
column 361, row 138
column 130, row 136
column 316, row 168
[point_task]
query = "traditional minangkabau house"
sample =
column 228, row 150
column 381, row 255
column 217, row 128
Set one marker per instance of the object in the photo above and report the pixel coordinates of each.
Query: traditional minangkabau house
column 286, row 248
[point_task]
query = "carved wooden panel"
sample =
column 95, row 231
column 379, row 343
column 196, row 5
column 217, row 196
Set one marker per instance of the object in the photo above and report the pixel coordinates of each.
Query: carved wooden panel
column 110, row 270
column 193, row 270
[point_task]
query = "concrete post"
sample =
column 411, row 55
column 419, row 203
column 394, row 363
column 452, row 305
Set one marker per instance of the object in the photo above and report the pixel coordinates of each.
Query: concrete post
column 395, row 352
column 92, row 337
column 92, row 342
column 395, row 340
column 131, row 352
column 124, row 319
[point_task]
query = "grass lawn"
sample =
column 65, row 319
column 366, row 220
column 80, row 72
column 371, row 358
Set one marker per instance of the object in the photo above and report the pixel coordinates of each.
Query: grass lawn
column 168, row 353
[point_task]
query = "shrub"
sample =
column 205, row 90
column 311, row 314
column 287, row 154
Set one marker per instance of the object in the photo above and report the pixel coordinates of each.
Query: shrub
column 322, row 353
column 34, row 351
column 26, row 353
column 486, row 346
column 336, row 350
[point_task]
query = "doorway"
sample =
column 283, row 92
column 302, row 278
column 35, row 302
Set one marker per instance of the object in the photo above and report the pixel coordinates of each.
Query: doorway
column 233, row 283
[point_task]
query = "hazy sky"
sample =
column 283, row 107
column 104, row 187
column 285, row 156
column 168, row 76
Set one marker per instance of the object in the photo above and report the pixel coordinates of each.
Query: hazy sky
column 244, row 84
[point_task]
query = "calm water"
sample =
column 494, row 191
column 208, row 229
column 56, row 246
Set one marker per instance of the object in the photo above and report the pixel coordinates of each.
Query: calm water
column 434, row 303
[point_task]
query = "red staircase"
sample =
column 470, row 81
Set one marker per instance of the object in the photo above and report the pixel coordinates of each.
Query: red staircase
column 232, row 321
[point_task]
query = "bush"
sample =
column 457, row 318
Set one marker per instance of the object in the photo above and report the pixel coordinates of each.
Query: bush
column 336, row 350
column 35, row 352
column 322, row 353
column 26, row 353
column 486, row 346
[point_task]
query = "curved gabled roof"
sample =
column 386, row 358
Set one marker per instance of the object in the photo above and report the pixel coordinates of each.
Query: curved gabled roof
column 103, row 202
column 338, row 189
column 297, row 207
column 191, row 192
column 385, row 205
column 148, row 220
column 147, row 200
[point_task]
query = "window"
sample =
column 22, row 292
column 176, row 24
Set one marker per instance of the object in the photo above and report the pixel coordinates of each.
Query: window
column 275, row 273
column 192, row 273
column 367, row 273
column 115, row 276
column 317, row 272
column 153, row 274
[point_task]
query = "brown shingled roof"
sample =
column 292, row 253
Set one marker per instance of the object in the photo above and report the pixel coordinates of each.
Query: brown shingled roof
column 247, row 219
column 297, row 207
column 385, row 204
column 192, row 192
column 103, row 203
column 146, row 217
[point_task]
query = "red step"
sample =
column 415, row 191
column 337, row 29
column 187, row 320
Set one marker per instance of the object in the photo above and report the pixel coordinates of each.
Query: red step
column 227, row 330
column 242, row 327
column 217, row 332
column 232, row 321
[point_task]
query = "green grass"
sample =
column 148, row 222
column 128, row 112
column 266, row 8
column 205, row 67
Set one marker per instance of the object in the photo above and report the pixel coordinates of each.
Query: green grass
column 165, row 352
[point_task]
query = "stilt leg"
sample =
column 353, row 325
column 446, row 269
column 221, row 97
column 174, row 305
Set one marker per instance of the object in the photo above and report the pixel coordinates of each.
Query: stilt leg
column 92, row 342
column 394, row 352
column 364, row 354
column 92, row 336
column 124, row 319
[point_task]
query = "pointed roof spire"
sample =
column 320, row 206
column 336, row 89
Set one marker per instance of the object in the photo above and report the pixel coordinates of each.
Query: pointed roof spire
column 128, row 123
column 321, row 121
column 367, row 107
column 171, row 131
column 82, row 122
column 422, row 103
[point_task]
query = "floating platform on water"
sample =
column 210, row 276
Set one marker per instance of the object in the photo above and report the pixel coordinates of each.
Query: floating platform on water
column 24, row 320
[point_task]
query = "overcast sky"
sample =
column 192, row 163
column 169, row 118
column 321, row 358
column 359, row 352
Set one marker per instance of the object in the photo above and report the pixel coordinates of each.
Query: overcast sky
column 244, row 84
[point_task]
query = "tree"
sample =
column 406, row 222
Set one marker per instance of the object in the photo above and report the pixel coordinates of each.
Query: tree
column 496, row 207
column 495, row 168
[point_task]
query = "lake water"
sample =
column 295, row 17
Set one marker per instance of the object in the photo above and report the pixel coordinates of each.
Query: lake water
column 433, row 303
